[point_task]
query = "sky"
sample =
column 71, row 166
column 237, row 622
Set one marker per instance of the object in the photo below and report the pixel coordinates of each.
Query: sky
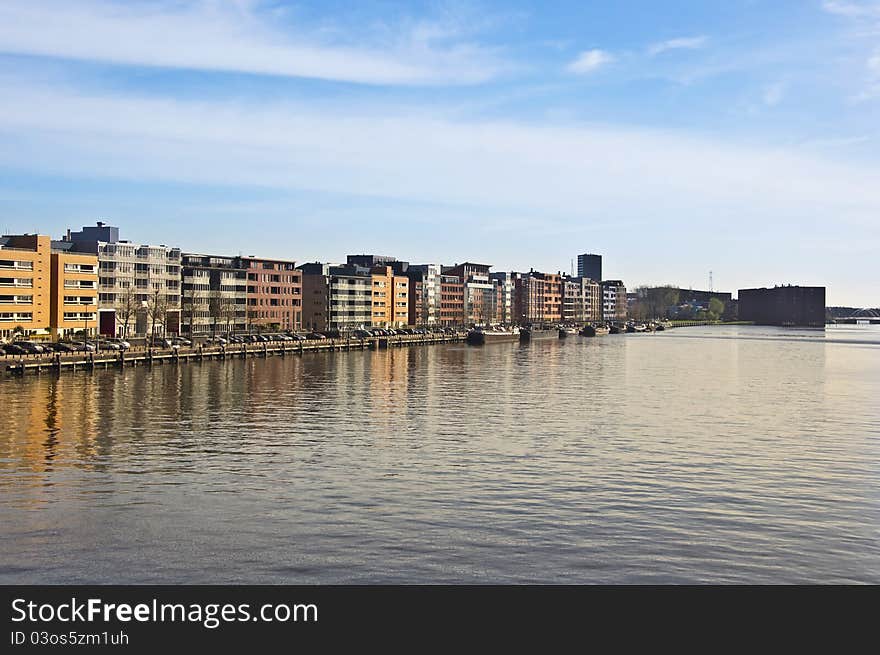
column 675, row 138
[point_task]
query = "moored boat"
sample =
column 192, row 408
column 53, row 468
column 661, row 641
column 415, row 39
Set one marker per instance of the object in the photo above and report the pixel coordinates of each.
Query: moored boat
column 594, row 331
column 567, row 331
column 480, row 336
column 535, row 333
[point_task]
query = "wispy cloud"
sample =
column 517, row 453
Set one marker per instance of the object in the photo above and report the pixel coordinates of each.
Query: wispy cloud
column 546, row 170
column 590, row 61
column 240, row 37
column 681, row 43
column 852, row 9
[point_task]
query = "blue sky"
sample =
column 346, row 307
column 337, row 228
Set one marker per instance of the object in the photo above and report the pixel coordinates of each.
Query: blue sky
column 741, row 137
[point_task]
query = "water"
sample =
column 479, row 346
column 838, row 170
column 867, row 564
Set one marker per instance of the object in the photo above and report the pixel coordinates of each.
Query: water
column 723, row 454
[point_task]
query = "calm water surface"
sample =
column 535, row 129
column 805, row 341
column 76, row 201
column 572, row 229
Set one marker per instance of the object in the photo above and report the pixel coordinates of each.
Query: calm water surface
column 725, row 454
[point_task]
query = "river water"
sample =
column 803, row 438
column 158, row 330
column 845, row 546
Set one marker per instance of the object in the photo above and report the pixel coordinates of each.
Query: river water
column 717, row 454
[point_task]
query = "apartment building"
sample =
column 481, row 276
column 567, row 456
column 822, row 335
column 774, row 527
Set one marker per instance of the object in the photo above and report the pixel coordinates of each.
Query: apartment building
column 581, row 300
column 274, row 293
column 538, row 298
column 336, row 297
column 424, row 293
column 390, row 297
column 213, row 295
column 479, row 293
column 613, row 300
column 451, row 300
column 506, row 283
column 138, row 284
column 44, row 292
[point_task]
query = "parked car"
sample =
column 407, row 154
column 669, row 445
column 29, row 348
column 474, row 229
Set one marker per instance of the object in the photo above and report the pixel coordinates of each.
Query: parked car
column 123, row 344
column 361, row 334
column 180, row 341
column 297, row 337
column 64, row 347
column 14, row 349
column 106, row 344
column 2, row 349
column 31, row 348
column 315, row 336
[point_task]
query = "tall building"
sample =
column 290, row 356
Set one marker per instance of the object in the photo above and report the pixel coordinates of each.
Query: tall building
column 590, row 266
column 506, row 283
column 613, row 301
column 451, row 301
column 538, row 298
column 424, row 293
column 390, row 297
column 46, row 292
column 274, row 293
column 480, row 298
column 139, row 285
column 786, row 305
column 336, row 297
column 214, row 295
column 581, row 300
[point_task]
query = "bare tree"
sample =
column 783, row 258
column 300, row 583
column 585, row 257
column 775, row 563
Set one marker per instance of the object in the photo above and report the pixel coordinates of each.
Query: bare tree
column 157, row 307
column 126, row 308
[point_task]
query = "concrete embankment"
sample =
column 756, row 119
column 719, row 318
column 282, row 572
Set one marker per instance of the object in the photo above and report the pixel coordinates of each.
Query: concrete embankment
column 119, row 359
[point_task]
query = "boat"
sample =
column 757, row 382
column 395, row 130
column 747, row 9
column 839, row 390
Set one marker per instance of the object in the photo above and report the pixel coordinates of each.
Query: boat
column 594, row 331
column 479, row 336
column 534, row 333
column 615, row 329
column 566, row 331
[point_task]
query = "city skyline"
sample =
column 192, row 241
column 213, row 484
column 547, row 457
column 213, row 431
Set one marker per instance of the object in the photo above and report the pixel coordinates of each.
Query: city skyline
column 739, row 139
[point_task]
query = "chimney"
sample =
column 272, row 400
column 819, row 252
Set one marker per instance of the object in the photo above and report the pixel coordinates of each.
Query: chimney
column 67, row 238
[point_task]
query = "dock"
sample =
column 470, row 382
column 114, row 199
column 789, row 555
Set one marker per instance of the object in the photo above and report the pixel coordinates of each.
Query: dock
column 57, row 362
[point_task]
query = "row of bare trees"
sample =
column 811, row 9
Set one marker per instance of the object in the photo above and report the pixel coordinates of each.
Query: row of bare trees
column 156, row 306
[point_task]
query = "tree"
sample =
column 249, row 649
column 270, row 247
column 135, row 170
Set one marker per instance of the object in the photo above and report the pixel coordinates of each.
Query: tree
column 126, row 307
column 157, row 307
column 716, row 308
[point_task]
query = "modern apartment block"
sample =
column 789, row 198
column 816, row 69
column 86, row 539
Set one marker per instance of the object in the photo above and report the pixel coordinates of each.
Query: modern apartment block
column 506, row 284
column 785, row 305
column 590, row 266
column 138, row 285
column 581, row 300
column 213, row 295
column 538, row 298
column 424, row 293
column 274, row 293
column 451, row 301
column 390, row 297
column 336, row 297
column 46, row 292
column 613, row 301
column 479, row 293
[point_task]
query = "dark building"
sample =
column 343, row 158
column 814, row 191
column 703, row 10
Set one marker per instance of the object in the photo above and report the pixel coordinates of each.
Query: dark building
column 788, row 305
column 590, row 266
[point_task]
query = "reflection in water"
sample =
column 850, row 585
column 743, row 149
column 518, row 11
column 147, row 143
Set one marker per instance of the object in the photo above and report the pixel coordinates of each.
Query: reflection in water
column 700, row 454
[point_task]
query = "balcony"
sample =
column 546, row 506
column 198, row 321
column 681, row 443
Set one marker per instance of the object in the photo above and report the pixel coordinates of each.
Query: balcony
column 12, row 265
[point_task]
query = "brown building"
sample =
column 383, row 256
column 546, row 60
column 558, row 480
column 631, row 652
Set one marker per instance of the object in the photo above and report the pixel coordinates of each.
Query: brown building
column 274, row 293
column 43, row 292
column 538, row 298
column 451, row 300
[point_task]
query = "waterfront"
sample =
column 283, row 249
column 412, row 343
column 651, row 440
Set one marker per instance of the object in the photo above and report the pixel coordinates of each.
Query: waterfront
column 717, row 454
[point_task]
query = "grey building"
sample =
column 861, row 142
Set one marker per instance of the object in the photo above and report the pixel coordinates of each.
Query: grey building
column 213, row 295
column 336, row 296
column 590, row 266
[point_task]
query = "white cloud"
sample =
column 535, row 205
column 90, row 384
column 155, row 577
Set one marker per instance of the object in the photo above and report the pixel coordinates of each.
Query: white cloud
column 589, row 61
column 238, row 37
column 546, row 170
column 852, row 9
column 682, row 43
